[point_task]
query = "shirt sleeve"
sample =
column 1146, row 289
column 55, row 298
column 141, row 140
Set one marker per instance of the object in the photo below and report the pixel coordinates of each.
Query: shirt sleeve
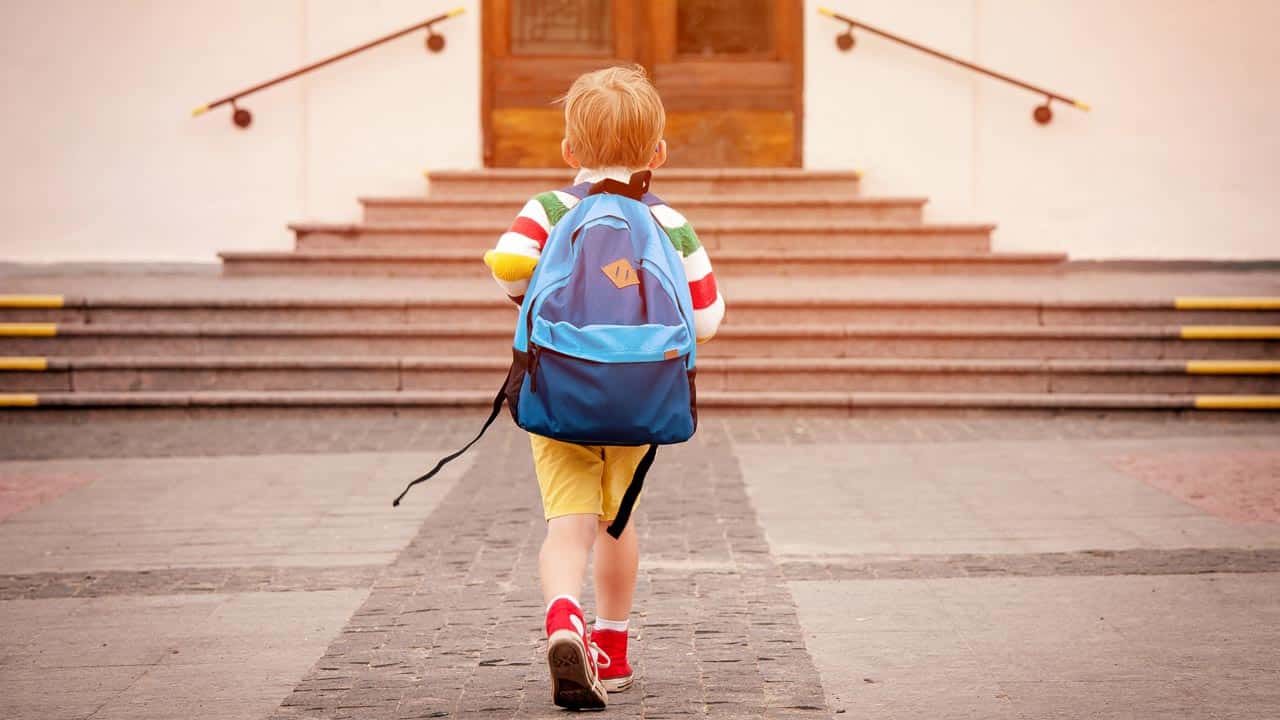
column 708, row 304
column 512, row 260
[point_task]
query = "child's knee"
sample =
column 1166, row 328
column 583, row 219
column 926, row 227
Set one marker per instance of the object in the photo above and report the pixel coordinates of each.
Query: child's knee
column 628, row 533
column 578, row 529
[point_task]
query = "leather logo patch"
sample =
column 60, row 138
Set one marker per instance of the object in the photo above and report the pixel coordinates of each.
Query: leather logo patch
column 671, row 355
column 621, row 273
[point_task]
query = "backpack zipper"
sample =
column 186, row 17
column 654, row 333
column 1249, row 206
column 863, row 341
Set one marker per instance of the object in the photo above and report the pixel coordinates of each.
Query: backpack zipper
column 533, row 369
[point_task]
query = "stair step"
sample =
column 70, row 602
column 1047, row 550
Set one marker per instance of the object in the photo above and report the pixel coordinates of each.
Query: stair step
column 387, row 373
column 729, row 263
column 764, row 402
column 670, row 183
column 744, row 311
column 478, row 237
column 832, row 341
column 699, row 210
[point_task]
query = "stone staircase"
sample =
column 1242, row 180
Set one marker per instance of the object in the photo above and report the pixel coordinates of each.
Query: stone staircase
column 772, row 222
column 802, row 335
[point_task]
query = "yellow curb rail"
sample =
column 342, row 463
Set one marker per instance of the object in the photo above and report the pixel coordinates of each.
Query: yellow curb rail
column 1237, row 402
column 28, row 329
column 19, row 400
column 1230, row 332
column 246, row 399
column 32, row 301
column 1227, row 303
column 31, row 364
column 1233, row 367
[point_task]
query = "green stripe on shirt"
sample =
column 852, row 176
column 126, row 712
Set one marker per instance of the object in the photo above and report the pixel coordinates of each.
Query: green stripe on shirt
column 552, row 205
column 684, row 238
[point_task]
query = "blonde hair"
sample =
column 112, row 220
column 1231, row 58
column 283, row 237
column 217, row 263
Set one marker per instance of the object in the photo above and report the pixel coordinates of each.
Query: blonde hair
column 614, row 118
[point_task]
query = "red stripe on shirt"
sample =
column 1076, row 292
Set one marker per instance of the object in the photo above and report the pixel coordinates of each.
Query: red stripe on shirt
column 703, row 291
column 529, row 228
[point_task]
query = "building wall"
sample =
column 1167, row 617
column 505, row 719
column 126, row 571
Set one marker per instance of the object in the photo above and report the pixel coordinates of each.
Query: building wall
column 1180, row 158
column 107, row 163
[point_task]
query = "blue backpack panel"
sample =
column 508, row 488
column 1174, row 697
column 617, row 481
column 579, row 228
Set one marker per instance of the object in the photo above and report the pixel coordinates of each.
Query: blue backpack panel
column 605, row 348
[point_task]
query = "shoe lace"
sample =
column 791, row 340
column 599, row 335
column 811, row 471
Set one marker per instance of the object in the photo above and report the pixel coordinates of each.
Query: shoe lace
column 597, row 653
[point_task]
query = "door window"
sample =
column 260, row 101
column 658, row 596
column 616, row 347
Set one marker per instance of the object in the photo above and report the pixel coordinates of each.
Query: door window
column 710, row 28
column 562, row 27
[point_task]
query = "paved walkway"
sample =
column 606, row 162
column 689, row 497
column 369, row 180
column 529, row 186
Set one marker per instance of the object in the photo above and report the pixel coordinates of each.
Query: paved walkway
column 1031, row 568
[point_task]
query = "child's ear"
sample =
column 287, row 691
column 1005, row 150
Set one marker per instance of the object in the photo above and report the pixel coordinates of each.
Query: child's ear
column 659, row 156
column 566, row 153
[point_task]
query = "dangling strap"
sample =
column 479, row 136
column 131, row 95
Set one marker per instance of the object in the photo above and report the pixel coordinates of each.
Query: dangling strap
column 632, row 494
column 500, row 398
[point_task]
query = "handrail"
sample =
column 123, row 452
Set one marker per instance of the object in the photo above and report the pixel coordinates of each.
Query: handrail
column 1043, row 114
column 243, row 118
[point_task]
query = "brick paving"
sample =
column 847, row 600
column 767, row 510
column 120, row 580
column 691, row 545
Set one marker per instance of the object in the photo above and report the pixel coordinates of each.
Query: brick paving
column 1093, row 563
column 453, row 628
column 183, row 581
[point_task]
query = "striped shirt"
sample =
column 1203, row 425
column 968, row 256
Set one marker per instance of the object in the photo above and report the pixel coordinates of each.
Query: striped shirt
column 518, row 249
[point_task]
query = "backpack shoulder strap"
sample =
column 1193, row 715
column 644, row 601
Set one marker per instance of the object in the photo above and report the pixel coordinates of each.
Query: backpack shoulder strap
column 580, row 191
column 636, row 189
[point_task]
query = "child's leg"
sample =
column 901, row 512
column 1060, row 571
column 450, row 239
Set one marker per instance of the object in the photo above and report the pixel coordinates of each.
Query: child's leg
column 616, row 565
column 562, row 563
column 569, row 478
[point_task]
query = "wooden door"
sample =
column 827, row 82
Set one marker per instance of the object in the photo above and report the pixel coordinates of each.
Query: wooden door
column 730, row 74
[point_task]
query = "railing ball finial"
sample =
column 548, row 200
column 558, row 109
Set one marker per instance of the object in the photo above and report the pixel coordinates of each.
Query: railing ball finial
column 1043, row 114
column 845, row 40
column 241, row 117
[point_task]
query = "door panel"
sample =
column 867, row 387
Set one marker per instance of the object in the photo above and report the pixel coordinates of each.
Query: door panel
column 731, row 80
column 533, row 50
column 716, row 85
column 730, row 74
column 731, row 138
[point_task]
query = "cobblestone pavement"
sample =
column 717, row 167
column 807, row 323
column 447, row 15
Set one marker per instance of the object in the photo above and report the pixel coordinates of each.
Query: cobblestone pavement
column 1095, row 563
column 183, row 581
column 454, row 626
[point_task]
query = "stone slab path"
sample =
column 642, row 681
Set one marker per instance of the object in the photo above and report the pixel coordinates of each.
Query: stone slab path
column 949, row 568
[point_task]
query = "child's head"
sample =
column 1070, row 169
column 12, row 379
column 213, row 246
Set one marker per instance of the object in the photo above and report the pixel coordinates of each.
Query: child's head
column 614, row 118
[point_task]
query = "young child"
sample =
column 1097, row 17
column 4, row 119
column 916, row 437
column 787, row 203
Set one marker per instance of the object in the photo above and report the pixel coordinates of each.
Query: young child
column 614, row 123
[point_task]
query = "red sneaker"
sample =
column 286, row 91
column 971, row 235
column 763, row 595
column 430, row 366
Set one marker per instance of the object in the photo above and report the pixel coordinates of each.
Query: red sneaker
column 616, row 676
column 575, row 677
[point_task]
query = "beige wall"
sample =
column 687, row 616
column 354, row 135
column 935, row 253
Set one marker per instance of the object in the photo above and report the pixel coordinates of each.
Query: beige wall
column 1181, row 157
column 106, row 163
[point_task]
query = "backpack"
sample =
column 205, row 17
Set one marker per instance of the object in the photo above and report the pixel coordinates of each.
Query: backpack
column 604, row 349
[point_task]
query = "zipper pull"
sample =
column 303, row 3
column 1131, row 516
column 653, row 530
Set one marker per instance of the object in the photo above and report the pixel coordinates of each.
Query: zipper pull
column 533, row 369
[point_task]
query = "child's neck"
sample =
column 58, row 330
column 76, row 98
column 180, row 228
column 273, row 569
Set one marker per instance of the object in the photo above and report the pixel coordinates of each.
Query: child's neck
column 594, row 175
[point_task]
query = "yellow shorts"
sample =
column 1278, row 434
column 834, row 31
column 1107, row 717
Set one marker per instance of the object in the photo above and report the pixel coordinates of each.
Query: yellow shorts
column 583, row 479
